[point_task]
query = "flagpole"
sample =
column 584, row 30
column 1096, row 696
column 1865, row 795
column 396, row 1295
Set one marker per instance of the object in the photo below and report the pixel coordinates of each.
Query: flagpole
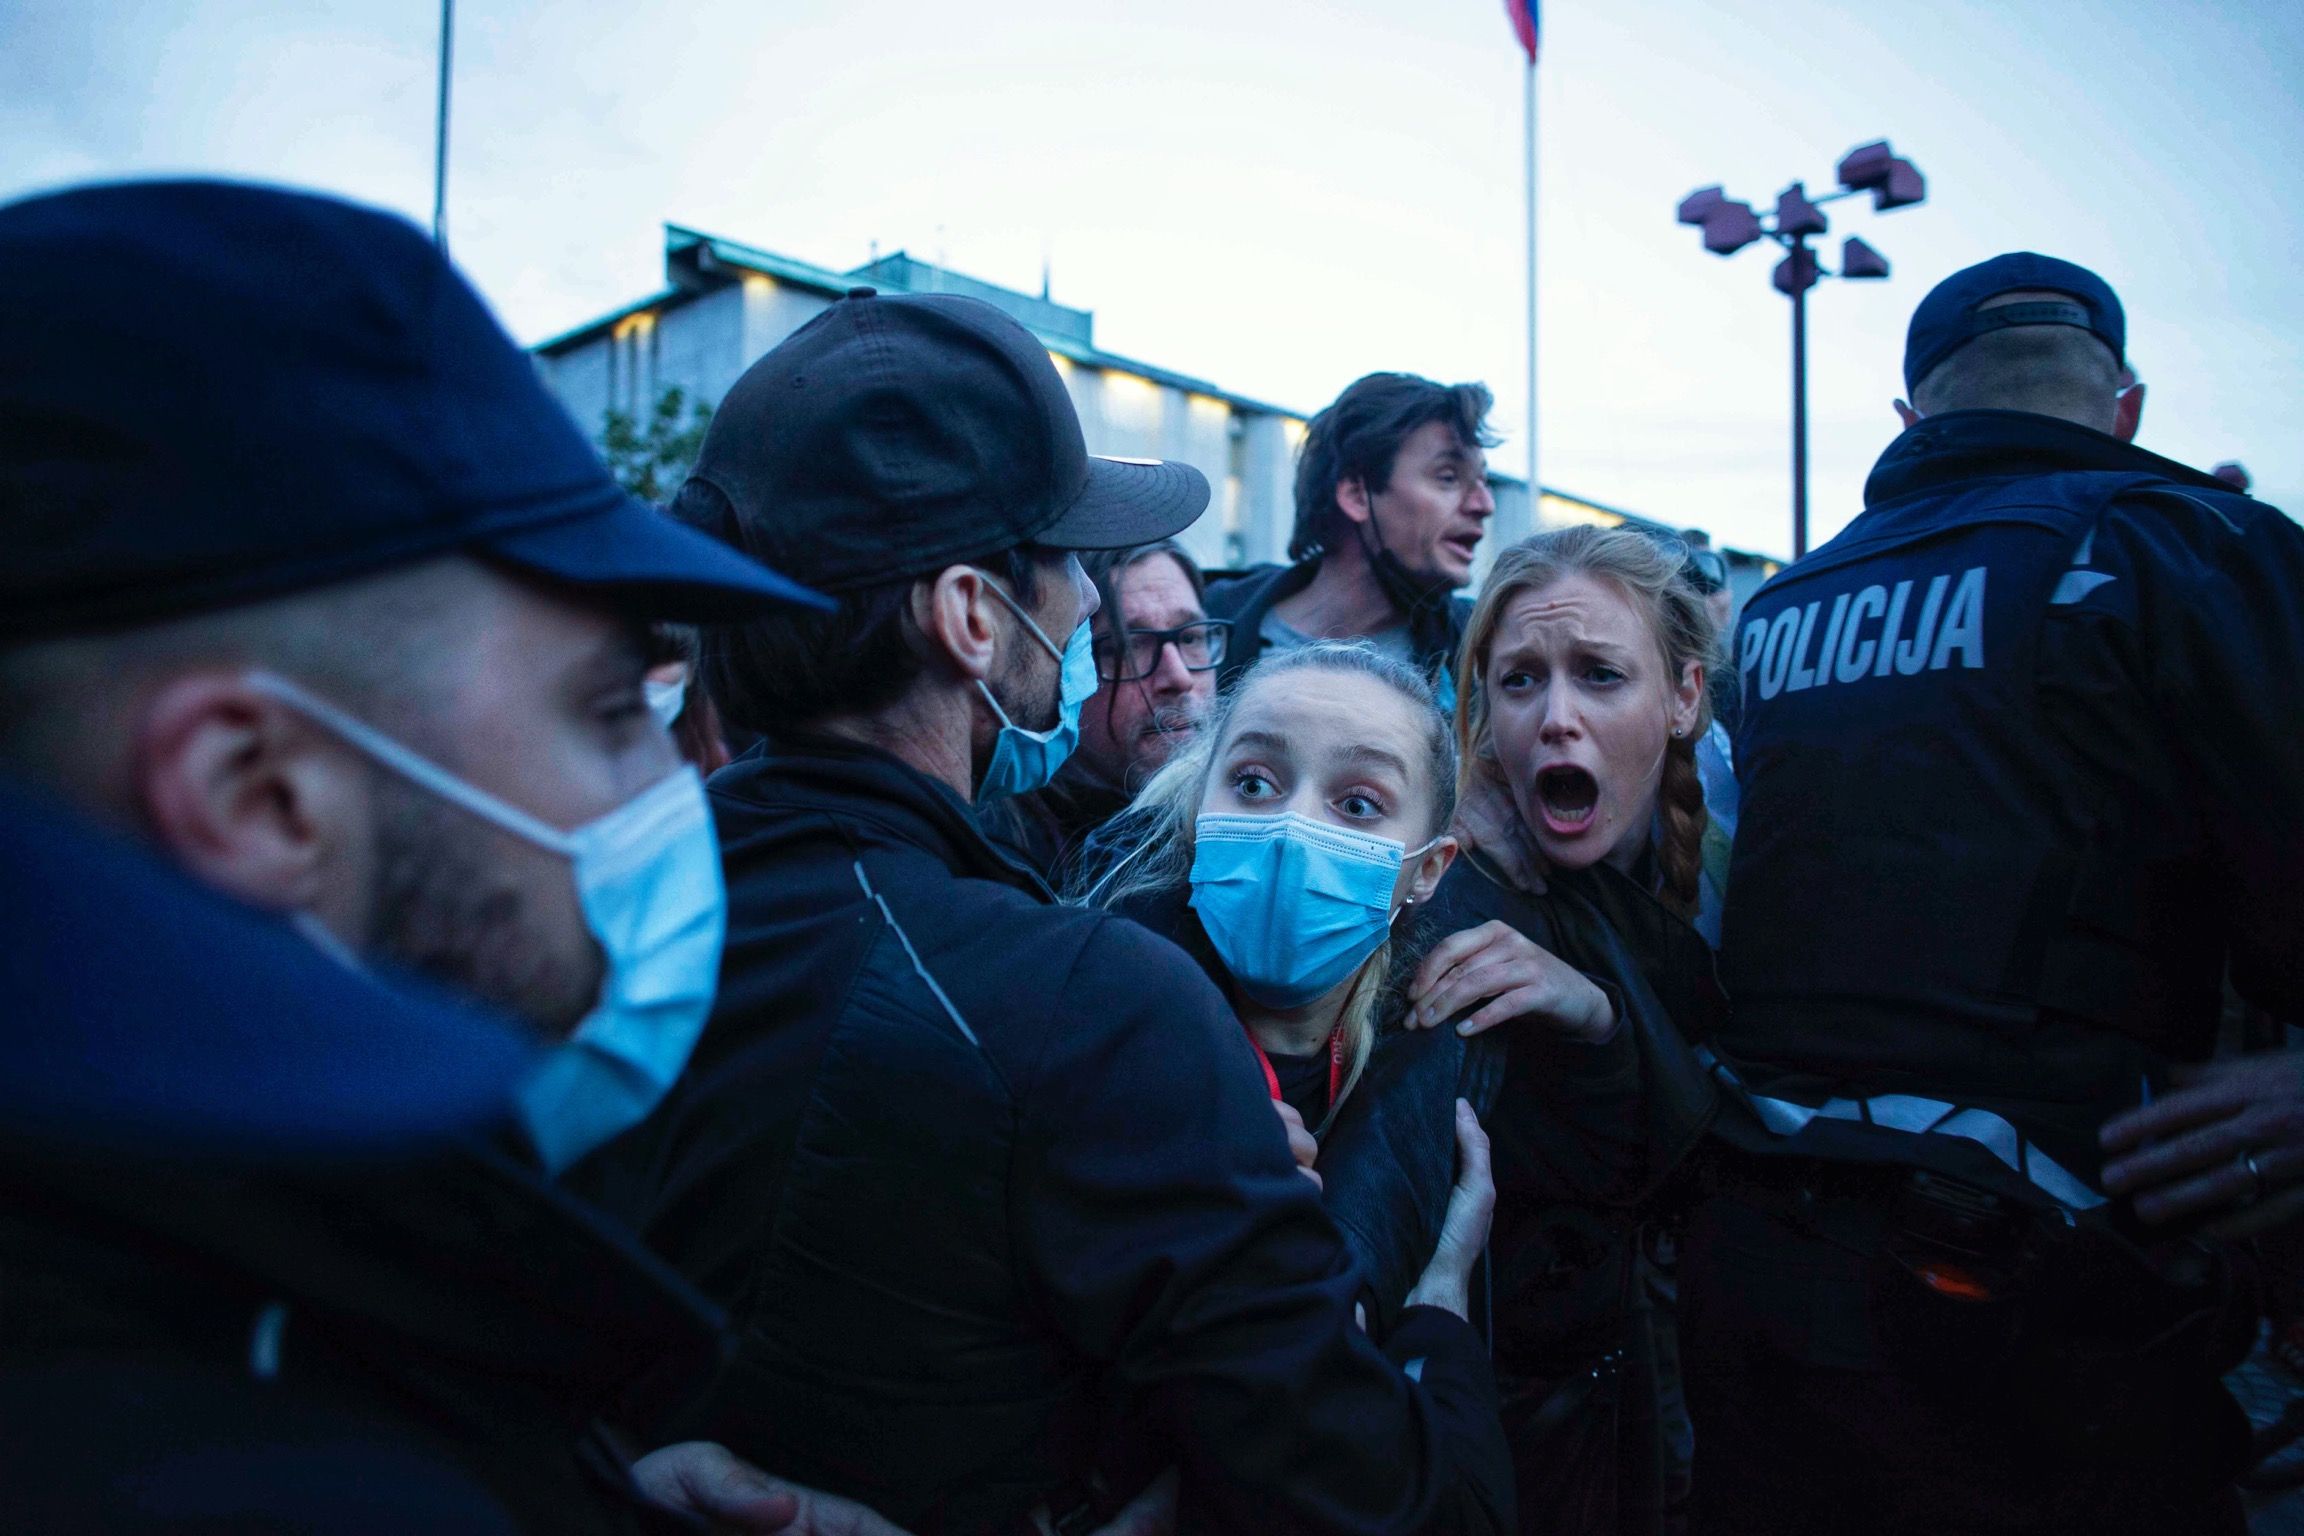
column 440, row 135
column 1535, row 485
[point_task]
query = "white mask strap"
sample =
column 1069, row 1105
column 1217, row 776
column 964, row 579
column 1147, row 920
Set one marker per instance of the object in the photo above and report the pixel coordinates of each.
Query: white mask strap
column 420, row 771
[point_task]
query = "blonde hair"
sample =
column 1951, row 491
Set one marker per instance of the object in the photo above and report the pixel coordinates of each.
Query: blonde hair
column 1653, row 577
column 1159, row 824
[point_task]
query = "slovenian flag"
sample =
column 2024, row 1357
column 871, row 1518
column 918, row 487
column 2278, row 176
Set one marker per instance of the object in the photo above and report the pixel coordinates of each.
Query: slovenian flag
column 1524, row 14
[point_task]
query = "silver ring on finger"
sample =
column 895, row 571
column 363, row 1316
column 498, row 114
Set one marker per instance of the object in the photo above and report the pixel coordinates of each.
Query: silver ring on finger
column 2255, row 1174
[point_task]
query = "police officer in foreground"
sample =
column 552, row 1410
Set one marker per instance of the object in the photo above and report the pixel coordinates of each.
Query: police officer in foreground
column 311, row 589
column 2022, row 784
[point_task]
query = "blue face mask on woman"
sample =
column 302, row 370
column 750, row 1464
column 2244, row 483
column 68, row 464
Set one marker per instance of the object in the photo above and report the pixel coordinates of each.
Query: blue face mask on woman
column 1022, row 760
column 1293, row 905
column 648, row 881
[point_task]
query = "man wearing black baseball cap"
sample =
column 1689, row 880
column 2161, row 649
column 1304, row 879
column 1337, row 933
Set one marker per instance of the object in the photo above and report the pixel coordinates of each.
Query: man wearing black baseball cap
column 992, row 1185
column 311, row 588
column 2022, row 785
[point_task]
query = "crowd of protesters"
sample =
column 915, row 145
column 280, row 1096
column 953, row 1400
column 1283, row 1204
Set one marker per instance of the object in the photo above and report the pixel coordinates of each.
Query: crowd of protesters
column 881, row 997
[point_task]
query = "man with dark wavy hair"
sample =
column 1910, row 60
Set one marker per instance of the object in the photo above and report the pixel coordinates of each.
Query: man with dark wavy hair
column 1392, row 500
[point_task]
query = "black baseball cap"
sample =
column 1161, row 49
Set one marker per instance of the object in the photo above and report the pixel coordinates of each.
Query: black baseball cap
column 213, row 393
column 1948, row 318
column 890, row 437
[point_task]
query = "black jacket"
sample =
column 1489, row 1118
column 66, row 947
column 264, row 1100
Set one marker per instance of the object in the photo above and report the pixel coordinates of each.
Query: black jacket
column 1051, row 827
column 449, row 1326
column 991, row 1188
column 1436, row 630
column 1598, row 1128
column 2007, row 862
column 252, row 1275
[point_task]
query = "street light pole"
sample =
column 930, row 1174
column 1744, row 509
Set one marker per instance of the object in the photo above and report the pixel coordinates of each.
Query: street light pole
column 1730, row 226
column 440, row 129
column 1800, row 406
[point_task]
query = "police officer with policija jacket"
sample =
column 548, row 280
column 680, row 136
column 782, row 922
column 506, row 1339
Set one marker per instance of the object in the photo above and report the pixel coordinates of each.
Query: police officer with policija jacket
column 2022, row 786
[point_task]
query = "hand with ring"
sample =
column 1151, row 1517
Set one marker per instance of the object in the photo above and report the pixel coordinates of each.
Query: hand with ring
column 2226, row 1148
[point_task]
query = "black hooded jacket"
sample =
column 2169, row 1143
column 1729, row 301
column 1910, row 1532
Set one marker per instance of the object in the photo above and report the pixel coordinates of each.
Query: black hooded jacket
column 991, row 1188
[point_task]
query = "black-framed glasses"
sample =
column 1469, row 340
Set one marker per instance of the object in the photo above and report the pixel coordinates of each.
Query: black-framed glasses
column 1200, row 644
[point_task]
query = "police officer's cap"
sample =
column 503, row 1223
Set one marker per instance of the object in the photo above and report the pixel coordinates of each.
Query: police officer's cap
column 213, row 393
column 1948, row 319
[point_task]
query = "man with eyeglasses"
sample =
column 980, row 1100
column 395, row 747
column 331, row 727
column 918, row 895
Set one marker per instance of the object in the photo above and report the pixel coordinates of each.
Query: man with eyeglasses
column 1157, row 652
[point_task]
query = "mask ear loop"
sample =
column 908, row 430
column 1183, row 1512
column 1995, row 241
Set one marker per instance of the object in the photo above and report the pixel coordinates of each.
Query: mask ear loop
column 418, row 770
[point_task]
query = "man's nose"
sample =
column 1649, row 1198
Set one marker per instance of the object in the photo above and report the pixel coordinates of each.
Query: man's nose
column 1169, row 674
column 1482, row 500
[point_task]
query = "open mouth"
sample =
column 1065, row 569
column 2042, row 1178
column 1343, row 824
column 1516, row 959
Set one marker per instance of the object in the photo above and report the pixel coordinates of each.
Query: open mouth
column 1568, row 797
column 1465, row 544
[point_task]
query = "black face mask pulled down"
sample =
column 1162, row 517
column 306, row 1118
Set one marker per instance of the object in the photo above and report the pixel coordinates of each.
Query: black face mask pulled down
column 1412, row 594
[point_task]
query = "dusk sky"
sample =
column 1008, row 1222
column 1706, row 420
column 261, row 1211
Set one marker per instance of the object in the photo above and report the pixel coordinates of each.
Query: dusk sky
column 1279, row 195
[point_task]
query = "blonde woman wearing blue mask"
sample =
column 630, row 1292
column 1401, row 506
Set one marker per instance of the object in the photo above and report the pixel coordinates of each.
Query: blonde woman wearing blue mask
column 1287, row 848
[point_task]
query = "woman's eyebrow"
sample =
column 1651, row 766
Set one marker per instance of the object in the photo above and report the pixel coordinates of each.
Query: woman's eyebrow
column 1378, row 756
column 1269, row 741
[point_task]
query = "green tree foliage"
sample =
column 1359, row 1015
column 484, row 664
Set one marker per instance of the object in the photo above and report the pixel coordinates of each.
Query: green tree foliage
column 651, row 459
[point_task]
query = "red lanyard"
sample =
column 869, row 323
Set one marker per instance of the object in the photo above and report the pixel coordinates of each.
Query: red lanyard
column 1335, row 1065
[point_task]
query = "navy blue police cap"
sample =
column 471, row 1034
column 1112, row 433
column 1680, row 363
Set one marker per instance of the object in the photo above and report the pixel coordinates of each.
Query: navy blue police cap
column 1948, row 319
column 213, row 393
column 150, row 1014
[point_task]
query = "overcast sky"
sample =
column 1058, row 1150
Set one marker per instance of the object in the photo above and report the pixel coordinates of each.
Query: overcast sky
column 1280, row 195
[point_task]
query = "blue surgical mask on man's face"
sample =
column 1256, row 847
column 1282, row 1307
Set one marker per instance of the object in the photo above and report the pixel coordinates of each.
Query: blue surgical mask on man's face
column 648, row 881
column 1292, row 905
column 1022, row 760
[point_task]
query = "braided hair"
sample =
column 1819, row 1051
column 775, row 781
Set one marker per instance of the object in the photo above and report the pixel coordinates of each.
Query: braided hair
column 1653, row 575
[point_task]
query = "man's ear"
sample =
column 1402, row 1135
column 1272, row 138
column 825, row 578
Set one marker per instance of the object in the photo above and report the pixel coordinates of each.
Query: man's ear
column 1688, row 698
column 1430, row 868
column 245, row 794
column 954, row 611
column 1352, row 499
column 2128, row 409
column 1907, row 415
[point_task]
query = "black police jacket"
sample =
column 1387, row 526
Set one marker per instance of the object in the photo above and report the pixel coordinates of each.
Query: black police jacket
column 251, row 1275
column 2022, row 774
column 430, row 1343
column 991, row 1187
column 1436, row 631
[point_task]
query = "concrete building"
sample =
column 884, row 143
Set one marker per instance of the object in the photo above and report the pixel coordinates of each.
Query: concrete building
column 723, row 304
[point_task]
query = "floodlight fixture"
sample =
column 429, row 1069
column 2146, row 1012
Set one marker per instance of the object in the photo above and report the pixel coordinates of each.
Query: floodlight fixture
column 1697, row 204
column 1795, row 215
column 1796, row 273
column 1858, row 260
column 1904, row 187
column 1729, row 226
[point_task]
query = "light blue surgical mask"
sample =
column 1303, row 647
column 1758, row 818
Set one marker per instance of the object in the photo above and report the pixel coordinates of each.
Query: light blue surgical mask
column 648, row 880
column 1293, row 905
column 666, row 701
column 1022, row 760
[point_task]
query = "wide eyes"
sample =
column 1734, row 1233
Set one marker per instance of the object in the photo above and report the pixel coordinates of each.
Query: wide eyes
column 1248, row 784
column 1253, row 785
